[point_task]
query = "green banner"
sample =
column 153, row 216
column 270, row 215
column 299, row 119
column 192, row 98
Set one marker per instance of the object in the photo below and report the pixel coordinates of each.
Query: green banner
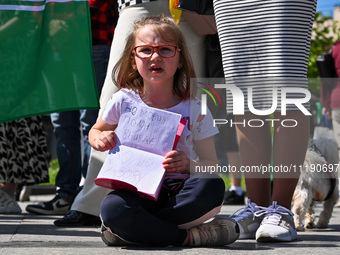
column 45, row 58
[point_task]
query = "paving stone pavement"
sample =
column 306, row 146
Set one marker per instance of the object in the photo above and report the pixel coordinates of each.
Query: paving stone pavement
column 35, row 234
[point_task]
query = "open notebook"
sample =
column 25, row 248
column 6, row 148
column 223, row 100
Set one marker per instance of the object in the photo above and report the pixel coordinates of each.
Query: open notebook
column 144, row 136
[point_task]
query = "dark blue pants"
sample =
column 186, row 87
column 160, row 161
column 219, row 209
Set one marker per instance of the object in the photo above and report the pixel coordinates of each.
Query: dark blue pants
column 150, row 222
column 68, row 125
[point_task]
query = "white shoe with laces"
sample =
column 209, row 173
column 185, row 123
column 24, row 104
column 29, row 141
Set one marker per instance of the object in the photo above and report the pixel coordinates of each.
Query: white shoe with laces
column 247, row 221
column 277, row 224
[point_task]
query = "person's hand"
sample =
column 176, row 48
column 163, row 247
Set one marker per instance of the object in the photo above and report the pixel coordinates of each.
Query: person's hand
column 107, row 141
column 176, row 161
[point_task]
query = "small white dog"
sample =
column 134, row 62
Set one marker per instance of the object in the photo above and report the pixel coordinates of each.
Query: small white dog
column 317, row 183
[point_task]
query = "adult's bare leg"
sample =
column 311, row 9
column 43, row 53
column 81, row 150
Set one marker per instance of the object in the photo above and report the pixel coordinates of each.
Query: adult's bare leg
column 289, row 151
column 255, row 147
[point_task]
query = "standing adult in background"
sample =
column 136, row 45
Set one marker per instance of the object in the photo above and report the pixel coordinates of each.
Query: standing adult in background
column 72, row 127
column 23, row 159
column 85, row 209
column 266, row 44
column 330, row 97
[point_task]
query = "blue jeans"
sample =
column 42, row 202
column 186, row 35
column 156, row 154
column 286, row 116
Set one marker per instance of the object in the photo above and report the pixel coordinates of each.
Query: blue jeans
column 68, row 126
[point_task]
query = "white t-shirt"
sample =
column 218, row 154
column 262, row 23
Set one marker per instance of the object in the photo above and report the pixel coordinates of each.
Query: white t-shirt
column 198, row 126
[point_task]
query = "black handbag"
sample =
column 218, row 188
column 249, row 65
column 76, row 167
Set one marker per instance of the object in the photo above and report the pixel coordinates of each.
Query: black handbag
column 325, row 64
column 326, row 68
column 202, row 7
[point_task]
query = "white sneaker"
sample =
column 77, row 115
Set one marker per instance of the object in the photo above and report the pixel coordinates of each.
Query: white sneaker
column 277, row 224
column 247, row 221
column 7, row 204
column 25, row 193
column 218, row 232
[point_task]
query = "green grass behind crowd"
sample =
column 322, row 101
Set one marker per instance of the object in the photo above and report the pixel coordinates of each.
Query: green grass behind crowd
column 52, row 170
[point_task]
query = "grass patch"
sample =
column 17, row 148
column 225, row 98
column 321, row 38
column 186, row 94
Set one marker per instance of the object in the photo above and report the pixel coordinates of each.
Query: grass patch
column 227, row 180
column 52, row 171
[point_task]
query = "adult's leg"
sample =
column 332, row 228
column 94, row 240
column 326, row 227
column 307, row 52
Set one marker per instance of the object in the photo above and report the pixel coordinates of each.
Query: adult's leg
column 234, row 159
column 100, row 57
column 336, row 130
column 290, row 145
column 67, row 130
column 255, row 148
column 336, row 124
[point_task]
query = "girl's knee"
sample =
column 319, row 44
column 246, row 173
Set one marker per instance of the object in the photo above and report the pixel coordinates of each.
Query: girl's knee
column 207, row 188
column 210, row 182
column 113, row 207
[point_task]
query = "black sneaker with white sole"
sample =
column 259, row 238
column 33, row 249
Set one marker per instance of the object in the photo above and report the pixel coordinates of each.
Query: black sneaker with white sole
column 57, row 206
column 78, row 219
column 232, row 198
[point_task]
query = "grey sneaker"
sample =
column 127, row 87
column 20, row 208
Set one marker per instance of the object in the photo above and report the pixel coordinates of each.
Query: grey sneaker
column 8, row 205
column 57, row 206
column 247, row 221
column 111, row 239
column 277, row 225
column 218, row 232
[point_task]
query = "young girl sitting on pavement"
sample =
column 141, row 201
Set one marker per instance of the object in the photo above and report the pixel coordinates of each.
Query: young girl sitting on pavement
column 154, row 71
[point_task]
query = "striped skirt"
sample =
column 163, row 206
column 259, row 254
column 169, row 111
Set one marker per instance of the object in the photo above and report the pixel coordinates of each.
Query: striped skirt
column 265, row 46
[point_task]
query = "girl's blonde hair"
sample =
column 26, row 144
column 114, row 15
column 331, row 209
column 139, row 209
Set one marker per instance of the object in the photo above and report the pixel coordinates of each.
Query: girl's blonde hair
column 125, row 76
